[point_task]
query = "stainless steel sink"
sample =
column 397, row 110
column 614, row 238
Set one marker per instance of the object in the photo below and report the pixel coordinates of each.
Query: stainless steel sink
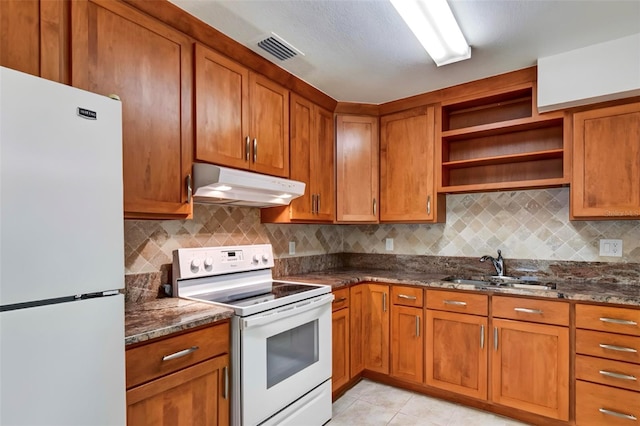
column 501, row 281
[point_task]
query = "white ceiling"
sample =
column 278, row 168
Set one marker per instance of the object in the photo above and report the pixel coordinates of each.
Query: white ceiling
column 361, row 50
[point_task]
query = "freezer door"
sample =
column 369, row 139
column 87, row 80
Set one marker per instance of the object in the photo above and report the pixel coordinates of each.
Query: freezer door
column 63, row 364
column 61, row 214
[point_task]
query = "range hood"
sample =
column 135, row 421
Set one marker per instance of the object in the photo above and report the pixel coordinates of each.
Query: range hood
column 220, row 185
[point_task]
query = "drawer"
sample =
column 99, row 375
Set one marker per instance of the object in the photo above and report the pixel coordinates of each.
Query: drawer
column 341, row 299
column 608, row 318
column 145, row 363
column 608, row 345
column 532, row 310
column 407, row 296
column 599, row 405
column 453, row 301
column 608, row 372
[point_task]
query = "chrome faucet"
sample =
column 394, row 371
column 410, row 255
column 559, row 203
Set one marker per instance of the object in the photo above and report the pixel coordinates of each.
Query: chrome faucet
column 497, row 263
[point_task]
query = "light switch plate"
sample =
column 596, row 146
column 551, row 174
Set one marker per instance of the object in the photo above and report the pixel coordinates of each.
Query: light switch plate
column 292, row 247
column 388, row 244
column 611, row 248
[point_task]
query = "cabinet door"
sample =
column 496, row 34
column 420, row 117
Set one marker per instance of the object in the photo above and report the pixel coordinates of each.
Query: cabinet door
column 221, row 110
column 407, row 343
column 34, row 36
column 324, row 166
column 357, row 168
column 117, row 50
column 197, row 395
column 269, row 126
column 530, row 367
column 357, row 303
column 407, row 167
column 376, row 329
column 302, row 152
column 340, row 372
column 606, row 163
column 456, row 353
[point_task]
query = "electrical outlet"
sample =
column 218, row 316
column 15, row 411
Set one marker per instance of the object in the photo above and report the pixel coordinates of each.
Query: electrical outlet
column 292, row 247
column 611, row 248
column 388, row 244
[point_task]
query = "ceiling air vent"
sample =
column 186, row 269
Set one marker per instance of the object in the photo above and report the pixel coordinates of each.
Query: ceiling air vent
column 278, row 47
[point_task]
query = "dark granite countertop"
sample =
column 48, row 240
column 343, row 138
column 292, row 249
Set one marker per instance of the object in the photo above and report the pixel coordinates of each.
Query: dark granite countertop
column 161, row 317
column 582, row 290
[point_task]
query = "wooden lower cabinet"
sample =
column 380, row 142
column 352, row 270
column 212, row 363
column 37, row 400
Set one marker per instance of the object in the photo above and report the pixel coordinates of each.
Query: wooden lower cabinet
column 357, row 296
column 340, row 375
column 180, row 380
column 598, row 405
column 196, row 395
column 376, row 328
column 530, row 367
column 407, row 343
column 456, row 353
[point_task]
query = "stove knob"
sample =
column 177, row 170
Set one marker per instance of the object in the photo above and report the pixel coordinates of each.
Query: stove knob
column 255, row 259
column 208, row 263
column 195, row 265
column 265, row 258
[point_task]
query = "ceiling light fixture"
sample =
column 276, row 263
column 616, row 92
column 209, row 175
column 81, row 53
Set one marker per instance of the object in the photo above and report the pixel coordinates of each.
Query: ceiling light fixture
column 433, row 24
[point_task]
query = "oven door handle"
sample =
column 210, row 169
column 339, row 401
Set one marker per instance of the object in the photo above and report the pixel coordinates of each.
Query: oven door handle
column 286, row 311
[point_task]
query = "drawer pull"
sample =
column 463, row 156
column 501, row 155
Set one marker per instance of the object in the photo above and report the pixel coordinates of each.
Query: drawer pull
column 618, row 321
column 404, row 296
column 616, row 414
column 618, row 348
column 454, row 302
column 342, row 299
column 180, row 354
column 529, row 311
column 617, row 375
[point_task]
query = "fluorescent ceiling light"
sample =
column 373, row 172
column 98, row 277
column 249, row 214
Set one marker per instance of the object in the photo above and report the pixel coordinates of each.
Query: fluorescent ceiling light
column 433, row 24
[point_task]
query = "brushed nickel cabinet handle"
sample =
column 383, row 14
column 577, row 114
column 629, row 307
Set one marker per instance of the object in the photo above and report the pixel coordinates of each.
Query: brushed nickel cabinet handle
column 318, row 203
column 428, row 204
column 384, row 302
column 481, row 336
column 226, row 382
column 617, row 375
column 618, row 321
column 616, row 414
column 375, row 207
column 404, row 296
column 247, row 148
column 618, row 348
column 313, row 203
column 529, row 311
column 180, row 354
column 189, row 189
column 454, row 302
column 417, row 326
column 342, row 299
column 495, row 338
column 255, row 150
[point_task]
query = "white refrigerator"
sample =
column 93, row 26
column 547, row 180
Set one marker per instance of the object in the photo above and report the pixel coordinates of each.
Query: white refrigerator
column 62, row 255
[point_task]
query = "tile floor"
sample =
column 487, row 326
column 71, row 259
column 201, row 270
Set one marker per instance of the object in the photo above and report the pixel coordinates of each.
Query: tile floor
column 370, row 403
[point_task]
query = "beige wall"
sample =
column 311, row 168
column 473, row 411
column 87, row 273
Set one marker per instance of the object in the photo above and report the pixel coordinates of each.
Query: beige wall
column 523, row 224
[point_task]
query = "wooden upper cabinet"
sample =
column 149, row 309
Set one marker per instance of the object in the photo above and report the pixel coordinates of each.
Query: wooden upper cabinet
column 357, row 159
column 407, row 168
column 117, row 50
column 242, row 118
column 34, row 37
column 312, row 162
column 606, row 163
column 221, row 109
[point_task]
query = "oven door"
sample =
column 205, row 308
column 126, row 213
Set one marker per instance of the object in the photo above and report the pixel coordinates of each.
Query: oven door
column 285, row 353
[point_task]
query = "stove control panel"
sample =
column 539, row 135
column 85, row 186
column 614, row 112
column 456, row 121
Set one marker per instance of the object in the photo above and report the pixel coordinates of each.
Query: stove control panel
column 212, row 261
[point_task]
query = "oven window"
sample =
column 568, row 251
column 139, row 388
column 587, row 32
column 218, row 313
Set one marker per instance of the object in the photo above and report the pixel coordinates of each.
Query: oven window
column 291, row 351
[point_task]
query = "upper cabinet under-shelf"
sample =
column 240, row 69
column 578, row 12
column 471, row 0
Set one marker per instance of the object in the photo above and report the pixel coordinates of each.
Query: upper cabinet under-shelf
column 497, row 141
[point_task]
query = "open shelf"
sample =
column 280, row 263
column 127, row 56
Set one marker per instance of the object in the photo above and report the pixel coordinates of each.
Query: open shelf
column 499, row 142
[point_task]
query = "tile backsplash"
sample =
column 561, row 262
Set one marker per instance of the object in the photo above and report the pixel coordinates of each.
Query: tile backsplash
column 523, row 224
